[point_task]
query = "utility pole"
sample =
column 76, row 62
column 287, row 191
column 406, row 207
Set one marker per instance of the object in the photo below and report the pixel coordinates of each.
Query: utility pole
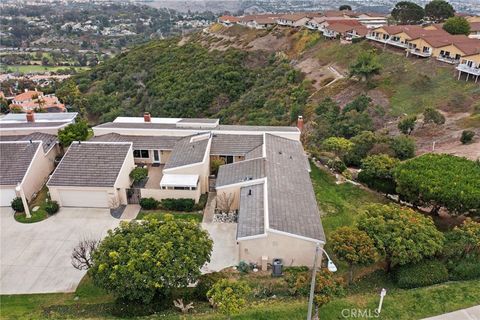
column 312, row 285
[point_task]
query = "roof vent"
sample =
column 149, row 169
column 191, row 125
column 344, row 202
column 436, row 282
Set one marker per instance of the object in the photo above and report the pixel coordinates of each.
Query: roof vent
column 249, row 192
column 279, row 152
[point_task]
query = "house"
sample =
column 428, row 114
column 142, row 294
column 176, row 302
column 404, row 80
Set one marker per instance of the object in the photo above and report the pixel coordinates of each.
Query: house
column 228, row 20
column 474, row 30
column 30, row 100
column 278, row 216
column 30, row 122
column 294, row 19
column 175, row 150
column 469, row 66
column 27, row 161
column 372, row 20
column 257, row 21
column 93, row 174
column 444, row 48
column 400, row 35
column 346, row 31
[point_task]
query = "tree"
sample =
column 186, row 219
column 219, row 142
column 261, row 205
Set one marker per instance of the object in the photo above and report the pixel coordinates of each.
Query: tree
column 377, row 172
column 68, row 92
column 228, row 296
column 365, row 66
column 82, row 254
column 439, row 10
column 432, row 115
column 401, row 234
column 73, row 132
column 339, row 146
column 403, row 147
column 354, row 247
column 406, row 12
column 457, row 25
column 138, row 261
column 407, row 124
column 362, row 144
column 345, row 7
column 440, row 180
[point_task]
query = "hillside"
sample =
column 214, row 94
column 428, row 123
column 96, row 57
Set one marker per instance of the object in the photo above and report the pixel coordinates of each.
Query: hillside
column 270, row 76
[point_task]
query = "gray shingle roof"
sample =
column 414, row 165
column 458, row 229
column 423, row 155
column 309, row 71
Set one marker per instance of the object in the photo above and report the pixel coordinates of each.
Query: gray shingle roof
column 15, row 158
column 292, row 205
column 240, row 172
column 140, row 142
column 187, row 152
column 89, row 164
column 255, row 153
column 49, row 140
column 251, row 218
column 235, row 144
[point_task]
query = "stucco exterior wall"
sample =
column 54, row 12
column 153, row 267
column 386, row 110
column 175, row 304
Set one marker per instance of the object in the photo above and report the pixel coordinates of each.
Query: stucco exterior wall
column 160, row 194
column 293, row 251
column 450, row 48
column 123, row 180
column 164, row 156
column 474, row 57
column 37, row 174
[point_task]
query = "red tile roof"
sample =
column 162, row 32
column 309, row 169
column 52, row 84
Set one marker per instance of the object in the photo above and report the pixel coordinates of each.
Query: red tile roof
column 28, row 95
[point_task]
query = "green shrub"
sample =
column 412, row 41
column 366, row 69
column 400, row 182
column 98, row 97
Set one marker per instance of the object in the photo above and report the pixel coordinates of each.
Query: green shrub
column 17, row 205
column 202, row 202
column 52, row 207
column 148, row 203
column 467, row 136
column 422, row 274
column 464, row 269
column 336, row 165
column 215, row 165
column 178, row 204
column 407, row 124
column 139, row 174
column 205, row 283
column 243, row 267
column 403, row 147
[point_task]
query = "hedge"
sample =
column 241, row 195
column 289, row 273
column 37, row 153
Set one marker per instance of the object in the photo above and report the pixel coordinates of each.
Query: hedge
column 422, row 274
column 464, row 269
column 178, row 204
column 148, row 203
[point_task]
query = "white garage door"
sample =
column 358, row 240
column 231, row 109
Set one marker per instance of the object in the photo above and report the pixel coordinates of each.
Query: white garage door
column 88, row 199
column 6, row 197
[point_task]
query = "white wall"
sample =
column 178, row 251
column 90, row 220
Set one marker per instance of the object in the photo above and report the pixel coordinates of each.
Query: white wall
column 160, row 194
column 37, row 174
column 293, row 251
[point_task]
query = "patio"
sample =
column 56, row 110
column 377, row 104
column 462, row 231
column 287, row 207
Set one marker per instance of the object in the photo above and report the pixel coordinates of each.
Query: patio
column 155, row 175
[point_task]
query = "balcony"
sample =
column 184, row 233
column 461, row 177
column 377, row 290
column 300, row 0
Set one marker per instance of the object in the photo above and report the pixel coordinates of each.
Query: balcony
column 448, row 59
column 471, row 70
column 387, row 41
column 420, row 53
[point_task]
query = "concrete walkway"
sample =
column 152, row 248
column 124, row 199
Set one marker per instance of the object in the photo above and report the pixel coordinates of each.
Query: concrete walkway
column 225, row 248
column 35, row 257
column 472, row 313
column 209, row 210
column 130, row 212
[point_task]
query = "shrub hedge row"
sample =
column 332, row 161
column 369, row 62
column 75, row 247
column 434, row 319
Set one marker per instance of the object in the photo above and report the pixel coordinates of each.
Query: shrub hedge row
column 422, row 274
column 168, row 204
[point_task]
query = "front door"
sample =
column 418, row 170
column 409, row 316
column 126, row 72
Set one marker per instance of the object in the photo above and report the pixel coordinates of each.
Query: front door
column 156, row 156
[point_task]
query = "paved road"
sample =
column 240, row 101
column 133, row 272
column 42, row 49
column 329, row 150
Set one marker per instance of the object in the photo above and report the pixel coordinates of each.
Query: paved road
column 35, row 258
column 472, row 313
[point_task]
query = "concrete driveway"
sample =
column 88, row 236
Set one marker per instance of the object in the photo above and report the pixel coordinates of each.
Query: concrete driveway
column 35, row 258
column 225, row 248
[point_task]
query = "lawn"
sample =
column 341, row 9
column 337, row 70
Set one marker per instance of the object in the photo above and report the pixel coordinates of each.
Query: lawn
column 341, row 204
column 94, row 303
column 37, row 68
column 38, row 215
column 159, row 214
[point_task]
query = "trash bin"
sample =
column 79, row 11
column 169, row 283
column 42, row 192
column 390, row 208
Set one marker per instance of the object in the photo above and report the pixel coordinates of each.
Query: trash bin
column 277, row 267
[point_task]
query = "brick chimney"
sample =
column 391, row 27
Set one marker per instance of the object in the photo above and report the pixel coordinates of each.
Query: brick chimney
column 300, row 123
column 30, row 116
column 147, row 117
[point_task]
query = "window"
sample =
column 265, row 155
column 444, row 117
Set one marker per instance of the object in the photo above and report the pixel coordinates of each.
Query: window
column 227, row 159
column 141, row 154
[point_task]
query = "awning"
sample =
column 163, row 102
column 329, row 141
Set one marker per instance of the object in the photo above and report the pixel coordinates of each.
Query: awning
column 179, row 180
